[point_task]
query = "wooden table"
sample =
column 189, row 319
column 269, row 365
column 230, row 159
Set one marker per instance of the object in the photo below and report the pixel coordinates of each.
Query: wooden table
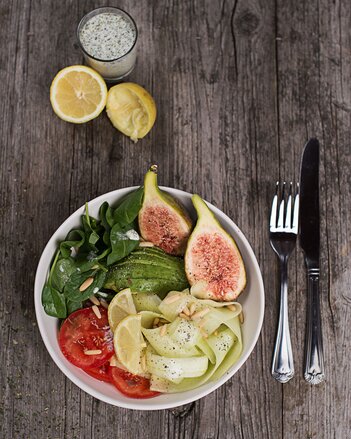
column 240, row 86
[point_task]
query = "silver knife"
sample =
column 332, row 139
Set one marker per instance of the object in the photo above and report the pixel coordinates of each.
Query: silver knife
column 310, row 242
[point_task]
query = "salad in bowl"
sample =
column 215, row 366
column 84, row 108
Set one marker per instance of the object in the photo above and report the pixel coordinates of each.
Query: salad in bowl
column 139, row 301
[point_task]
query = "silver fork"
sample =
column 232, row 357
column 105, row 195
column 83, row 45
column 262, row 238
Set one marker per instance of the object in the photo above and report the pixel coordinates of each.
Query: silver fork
column 282, row 234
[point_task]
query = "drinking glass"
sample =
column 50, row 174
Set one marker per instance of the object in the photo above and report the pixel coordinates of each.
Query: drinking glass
column 111, row 70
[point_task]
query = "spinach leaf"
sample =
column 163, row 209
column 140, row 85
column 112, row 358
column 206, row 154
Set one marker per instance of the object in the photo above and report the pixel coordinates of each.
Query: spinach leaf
column 71, row 290
column 123, row 241
column 89, row 223
column 54, row 302
column 102, row 256
column 84, row 265
column 73, row 306
column 106, row 215
column 93, row 238
column 99, row 242
column 75, row 238
column 128, row 210
column 61, row 272
column 93, row 230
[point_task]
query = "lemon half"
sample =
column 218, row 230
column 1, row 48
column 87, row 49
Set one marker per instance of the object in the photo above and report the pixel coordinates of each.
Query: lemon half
column 78, row 94
column 131, row 109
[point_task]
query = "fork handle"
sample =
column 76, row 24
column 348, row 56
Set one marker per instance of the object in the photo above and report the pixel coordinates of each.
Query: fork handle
column 283, row 362
column 314, row 361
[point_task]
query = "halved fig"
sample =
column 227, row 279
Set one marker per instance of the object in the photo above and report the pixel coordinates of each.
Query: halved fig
column 162, row 220
column 213, row 263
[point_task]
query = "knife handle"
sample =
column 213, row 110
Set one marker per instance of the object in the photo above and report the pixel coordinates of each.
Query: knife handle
column 283, row 362
column 314, row 361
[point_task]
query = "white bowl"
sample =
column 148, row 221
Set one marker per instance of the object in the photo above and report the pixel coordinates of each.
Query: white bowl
column 252, row 300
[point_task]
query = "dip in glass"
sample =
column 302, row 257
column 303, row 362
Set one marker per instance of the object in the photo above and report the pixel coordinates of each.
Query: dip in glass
column 107, row 37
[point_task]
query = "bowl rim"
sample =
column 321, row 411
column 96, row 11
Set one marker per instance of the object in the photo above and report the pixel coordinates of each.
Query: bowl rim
column 138, row 404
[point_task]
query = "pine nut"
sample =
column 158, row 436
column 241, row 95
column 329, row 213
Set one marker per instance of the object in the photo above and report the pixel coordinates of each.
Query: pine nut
column 146, row 244
column 96, row 311
column 200, row 314
column 163, row 330
column 103, row 303
column 184, row 316
column 86, row 284
column 192, row 308
column 186, row 311
column 94, row 300
column 93, row 352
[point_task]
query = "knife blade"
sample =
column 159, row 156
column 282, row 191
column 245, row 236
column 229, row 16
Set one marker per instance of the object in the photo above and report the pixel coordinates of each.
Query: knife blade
column 310, row 243
column 309, row 203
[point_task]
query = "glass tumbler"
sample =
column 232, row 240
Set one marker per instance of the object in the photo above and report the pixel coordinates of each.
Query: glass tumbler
column 107, row 37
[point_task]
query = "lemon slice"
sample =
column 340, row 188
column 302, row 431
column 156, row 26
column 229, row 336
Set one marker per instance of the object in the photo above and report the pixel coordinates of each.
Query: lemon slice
column 121, row 306
column 129, row 343
column 78, row 94
column 131, row 109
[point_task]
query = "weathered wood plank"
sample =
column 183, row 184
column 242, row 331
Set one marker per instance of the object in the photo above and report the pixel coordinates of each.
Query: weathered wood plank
column 311, row 81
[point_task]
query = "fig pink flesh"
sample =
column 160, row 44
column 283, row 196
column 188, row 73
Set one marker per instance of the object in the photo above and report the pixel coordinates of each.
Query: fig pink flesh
column 162, row 227
column 216, row 262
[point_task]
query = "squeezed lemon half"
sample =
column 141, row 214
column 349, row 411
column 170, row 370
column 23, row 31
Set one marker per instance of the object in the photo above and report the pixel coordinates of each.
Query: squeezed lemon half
column 129, row 343
column 78, row 94
column 131, row 109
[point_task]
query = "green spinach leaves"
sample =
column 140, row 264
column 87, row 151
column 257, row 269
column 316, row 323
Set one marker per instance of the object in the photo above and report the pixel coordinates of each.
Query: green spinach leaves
column 128, row 210
column 87, row 252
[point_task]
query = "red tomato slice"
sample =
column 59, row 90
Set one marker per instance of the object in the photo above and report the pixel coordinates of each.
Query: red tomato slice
column 100, row 373
column 82, row 332
column 131, row 385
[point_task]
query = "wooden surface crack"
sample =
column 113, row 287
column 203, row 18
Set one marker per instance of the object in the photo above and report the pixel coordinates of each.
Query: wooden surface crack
column 233, row 38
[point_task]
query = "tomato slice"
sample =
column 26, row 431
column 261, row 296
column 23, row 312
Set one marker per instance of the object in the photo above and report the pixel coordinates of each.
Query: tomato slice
column 100, row 373
column 131, row 385
column 83, row 332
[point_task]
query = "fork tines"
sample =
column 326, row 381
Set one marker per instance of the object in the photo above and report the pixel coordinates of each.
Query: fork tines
column 285, row 209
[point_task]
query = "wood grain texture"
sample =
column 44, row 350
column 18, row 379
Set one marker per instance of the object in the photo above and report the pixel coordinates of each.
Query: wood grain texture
column 240, row 86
